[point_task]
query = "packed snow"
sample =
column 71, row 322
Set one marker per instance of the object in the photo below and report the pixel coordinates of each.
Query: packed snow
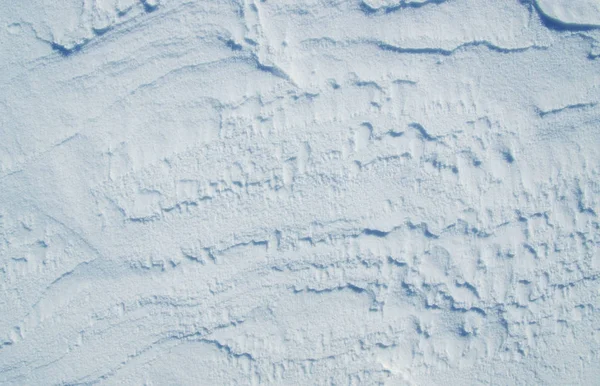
column 299, row 192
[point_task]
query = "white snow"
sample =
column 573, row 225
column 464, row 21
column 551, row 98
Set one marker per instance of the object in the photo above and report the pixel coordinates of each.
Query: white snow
column 572, row 12
column 299, row 192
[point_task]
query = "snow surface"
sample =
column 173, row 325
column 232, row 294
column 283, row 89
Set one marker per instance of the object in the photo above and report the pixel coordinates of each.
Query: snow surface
column 327, row 192
column 571, row 12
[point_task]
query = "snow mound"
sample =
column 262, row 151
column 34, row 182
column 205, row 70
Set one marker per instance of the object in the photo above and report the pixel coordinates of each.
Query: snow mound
column 585, row 13
column 393, row 5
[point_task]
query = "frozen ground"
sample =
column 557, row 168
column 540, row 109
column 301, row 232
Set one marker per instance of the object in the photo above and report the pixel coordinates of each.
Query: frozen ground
column 299, row 192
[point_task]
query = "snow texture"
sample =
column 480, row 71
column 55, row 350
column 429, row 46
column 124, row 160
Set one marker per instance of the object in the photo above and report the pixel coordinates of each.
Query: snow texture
column 299, row 192
column 569, row 13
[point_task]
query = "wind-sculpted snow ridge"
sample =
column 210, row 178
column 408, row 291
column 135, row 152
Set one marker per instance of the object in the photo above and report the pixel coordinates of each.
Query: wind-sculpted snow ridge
column 70, row 26
column 299, row 192
column 373, row 6
column 570, row 14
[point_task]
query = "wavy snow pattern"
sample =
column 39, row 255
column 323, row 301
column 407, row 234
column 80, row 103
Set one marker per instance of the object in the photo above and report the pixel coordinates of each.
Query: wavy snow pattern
column 350, row 192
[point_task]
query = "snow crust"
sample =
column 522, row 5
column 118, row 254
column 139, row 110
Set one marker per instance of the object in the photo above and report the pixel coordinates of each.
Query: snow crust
column 572, row 12
column 327, row 192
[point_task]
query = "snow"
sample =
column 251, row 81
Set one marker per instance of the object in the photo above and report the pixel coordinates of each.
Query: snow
column 585, row 13
column 299, row 192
